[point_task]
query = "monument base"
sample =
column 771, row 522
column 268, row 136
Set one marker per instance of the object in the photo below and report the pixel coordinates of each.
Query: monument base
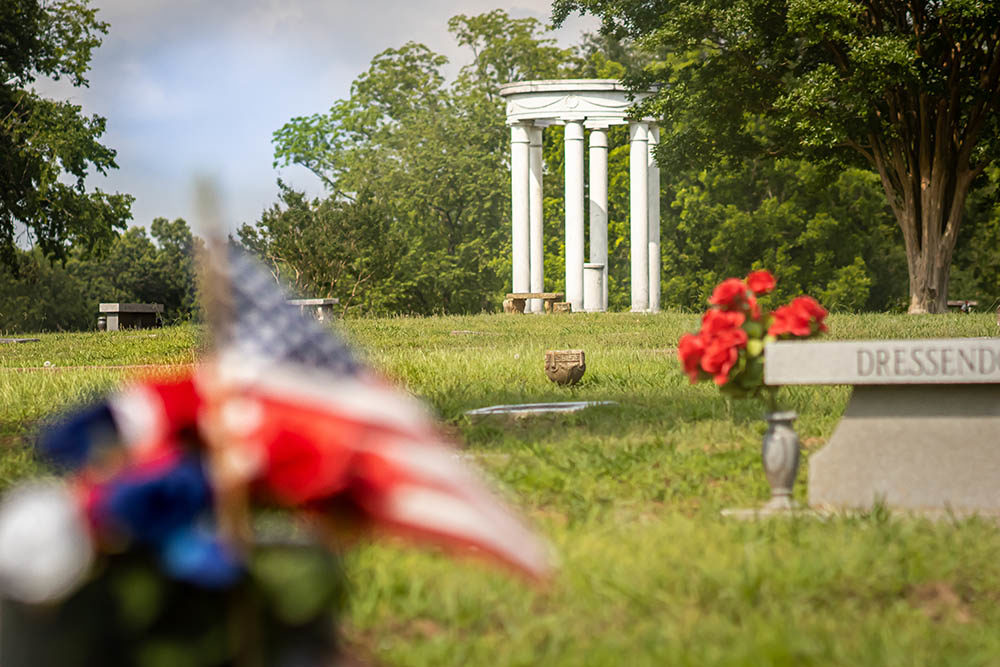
column 921, row 448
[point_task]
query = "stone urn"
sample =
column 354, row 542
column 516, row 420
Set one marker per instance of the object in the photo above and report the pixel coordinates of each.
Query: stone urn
column 780, row 455
column 565, row 367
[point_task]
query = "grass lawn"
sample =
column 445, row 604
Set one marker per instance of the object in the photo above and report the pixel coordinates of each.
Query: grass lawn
column 630, row 495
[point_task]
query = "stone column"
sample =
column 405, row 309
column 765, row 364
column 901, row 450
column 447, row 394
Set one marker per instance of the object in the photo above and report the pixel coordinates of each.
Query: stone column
column 639, row 214
column 574, row 213
column 654, row 221
column 535, row 216
column 519, row 207
column 599, row 209
column 593, row 291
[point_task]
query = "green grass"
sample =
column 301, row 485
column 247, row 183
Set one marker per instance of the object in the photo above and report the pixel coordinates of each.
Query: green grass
column 630, row 495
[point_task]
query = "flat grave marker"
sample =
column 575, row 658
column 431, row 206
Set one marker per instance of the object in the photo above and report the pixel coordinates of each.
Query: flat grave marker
column 525, row 409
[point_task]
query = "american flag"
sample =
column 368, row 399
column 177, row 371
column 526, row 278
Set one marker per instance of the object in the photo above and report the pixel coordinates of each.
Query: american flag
column 321, row 429
column 262, row 325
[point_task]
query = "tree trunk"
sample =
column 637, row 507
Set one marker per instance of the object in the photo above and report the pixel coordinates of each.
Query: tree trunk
column 928, row 281
column 928, row 205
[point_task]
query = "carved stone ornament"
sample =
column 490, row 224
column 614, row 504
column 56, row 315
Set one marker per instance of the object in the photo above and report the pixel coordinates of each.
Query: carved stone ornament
column 565, row 367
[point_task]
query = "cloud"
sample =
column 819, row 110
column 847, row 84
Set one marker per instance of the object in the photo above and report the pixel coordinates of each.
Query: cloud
column 193, row 87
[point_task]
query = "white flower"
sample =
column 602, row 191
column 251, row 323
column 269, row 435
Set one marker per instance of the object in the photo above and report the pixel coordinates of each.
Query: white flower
column 45, row 548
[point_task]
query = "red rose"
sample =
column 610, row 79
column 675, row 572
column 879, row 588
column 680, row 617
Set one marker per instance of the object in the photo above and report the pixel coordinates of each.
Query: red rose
column 730, row 294
column 715, row 321
column 722, row 352
column 761, row 282
column 811, row 307
column 733, row 294
column 788, row 320
column 802, row 317
column 690, row 349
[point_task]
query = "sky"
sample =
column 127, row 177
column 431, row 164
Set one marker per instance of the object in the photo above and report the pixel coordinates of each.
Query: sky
column 193, row 89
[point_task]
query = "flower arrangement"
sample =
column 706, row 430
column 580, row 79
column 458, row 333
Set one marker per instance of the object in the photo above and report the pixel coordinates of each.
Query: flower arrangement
column 201, row 516
column 729, row 347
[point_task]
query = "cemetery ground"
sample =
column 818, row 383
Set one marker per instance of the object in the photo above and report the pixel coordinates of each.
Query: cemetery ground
column 630, row 496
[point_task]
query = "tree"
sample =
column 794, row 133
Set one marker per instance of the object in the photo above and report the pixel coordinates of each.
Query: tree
column 909, row 89
column 50, row 295
column 832, row 234
column 45, row 143
column 977, row 258
column 332, row 248
column 137, row 268
column 44, row 296
column 433, row 155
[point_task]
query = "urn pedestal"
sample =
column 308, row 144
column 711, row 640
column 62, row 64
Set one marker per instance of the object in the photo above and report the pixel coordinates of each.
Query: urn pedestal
column 780, row 455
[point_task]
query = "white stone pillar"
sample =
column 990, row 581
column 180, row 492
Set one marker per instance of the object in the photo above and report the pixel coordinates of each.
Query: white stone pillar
column 519, row 207
column 653, row 192
column 639, row 214
column 593, row 291
column 574, row 213
column 535, row 217
column 599, row 210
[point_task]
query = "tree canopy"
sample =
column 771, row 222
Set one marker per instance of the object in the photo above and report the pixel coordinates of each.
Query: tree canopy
column 428, row 158
column 59, row 296
column 47, row 147
column 417, row 173
column 909, row 89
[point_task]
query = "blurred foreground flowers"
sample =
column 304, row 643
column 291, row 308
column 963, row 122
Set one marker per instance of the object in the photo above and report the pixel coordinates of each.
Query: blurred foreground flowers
column 151, row 545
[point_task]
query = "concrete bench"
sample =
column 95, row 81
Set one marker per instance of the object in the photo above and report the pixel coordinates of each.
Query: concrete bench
column 321, row 309
column 921, row 431
column 963, row 305
column 115, row 316
column 515, row 301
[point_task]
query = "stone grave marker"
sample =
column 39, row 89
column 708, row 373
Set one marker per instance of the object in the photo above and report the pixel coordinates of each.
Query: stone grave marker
column 320, row 309
column 921, row 431
column 130, row 315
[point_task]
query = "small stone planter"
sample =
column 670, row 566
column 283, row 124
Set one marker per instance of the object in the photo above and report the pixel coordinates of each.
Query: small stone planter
column 565, row 367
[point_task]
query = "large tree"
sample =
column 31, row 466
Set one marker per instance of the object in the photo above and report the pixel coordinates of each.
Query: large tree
column 910, row 89
column 47, row 147
column 431, row 156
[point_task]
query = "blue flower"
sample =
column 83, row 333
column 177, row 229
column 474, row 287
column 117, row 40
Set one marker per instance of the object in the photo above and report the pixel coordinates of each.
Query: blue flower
column 200, row 558
column 71, row 440
column 151, row 506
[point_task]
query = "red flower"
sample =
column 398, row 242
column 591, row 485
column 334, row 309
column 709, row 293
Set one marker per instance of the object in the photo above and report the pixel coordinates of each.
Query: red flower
column 812, row 307
column 787, row 320
column 761, row 282
column 802, row 317
column 730, row 294
column 733, row 294
column 719, row 349
column 689, row 350
column 715, row 321
column 722, row 352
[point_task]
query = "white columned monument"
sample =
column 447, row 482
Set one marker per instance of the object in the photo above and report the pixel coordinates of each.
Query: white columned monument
column 582, row 105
